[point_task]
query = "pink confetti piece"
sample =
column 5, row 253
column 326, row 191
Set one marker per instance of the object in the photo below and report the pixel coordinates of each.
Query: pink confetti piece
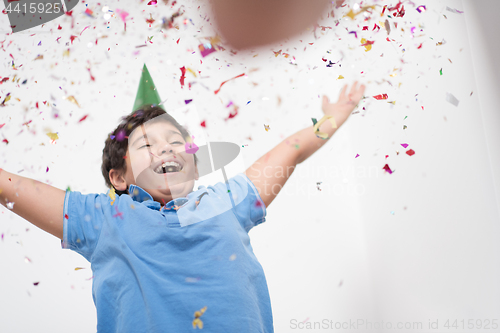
column 421, row 9
column 206, row 49
column 356, row 156
column 123, row 14
column 152, row 2
column 217, row 91
column 354, row 32
column 386, row 168
column 47, row 169
column 191, row 148
column 410, row 152
column 404, row 145
column 84, row 29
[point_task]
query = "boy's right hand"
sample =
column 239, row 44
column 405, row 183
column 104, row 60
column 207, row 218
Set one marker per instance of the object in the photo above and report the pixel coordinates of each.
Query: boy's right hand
column 36, row 202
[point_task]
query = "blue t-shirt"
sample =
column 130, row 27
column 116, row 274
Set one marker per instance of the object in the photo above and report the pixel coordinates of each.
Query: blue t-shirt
column 154, row 267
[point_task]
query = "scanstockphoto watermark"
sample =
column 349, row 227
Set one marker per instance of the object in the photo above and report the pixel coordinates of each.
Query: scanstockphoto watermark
column 358, row 324
column 448, row 324
column 329, row 180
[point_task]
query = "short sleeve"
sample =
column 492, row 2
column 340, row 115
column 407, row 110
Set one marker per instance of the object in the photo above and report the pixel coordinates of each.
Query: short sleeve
column 83, row 220
column 249, row 207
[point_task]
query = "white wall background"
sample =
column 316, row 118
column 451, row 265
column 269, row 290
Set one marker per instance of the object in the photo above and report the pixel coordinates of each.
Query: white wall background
column 417, row 245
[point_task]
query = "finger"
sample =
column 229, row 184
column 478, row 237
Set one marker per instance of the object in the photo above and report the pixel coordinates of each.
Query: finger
column 342, row 93
column 360, row 91
column 353, row 90
column 325, row 100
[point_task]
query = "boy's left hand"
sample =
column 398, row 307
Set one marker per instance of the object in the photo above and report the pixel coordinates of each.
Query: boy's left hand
column 345, row 105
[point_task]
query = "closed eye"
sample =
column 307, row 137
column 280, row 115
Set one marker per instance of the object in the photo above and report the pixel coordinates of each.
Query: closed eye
column 177, row 142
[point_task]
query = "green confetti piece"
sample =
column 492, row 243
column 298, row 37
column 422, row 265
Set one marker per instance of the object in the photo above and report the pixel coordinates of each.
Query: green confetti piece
column 68, row 189
column 314, row 121
column 441, row 71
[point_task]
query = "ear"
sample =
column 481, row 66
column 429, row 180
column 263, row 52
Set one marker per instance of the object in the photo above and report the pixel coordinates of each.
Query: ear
column 196, row 173
column 116, row 178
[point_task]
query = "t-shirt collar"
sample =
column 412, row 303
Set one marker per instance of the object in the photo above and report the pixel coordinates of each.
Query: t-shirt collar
column 140, row 195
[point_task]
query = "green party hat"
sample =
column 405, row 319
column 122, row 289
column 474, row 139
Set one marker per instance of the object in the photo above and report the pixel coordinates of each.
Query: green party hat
column 146, row 94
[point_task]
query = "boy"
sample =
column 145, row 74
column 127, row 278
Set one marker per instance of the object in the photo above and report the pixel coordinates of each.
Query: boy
column 166, row 258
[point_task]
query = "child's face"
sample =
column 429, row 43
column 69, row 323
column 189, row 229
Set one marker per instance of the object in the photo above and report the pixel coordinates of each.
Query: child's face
column 162, row 141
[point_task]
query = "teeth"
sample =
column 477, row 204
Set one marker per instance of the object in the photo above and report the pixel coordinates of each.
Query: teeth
column 167, row 164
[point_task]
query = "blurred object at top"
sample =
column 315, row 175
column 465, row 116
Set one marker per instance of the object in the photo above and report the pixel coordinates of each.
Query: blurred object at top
column 245, row 24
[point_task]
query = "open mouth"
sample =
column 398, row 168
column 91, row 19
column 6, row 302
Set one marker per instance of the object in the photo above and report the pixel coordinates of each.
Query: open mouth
column 168, row 167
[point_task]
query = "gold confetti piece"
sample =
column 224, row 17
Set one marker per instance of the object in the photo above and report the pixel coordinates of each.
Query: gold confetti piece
column 352, row 15
column 266, row 127
column 340, row 77
column 112, row 195
column 78, row 268
column 53, row 136
column 191, row 71
column 66, row 53
column 316, row 126
column 72, row 99
column 368, row 46
column 40, row 57
column 197, row 321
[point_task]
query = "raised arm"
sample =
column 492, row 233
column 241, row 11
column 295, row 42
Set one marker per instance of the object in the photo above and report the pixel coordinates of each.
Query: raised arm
column 270, row 172
column 36, row 202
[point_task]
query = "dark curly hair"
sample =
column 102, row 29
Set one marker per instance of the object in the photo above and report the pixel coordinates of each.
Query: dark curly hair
column 116, row 145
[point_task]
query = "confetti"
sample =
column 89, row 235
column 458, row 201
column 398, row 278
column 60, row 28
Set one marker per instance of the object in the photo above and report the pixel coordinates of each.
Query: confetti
column 367, row 44
column 152, row 2
column 380, row 97
column 190, row 279
column 183, row 76
column 456, row 11
column 83, row 118
column 78, row 268
column 217, row 91
column 53, row 136
column 10, row 205
column 357, row 155
column 452, row 99
column 72, row 99
column 404, row 145
column 340, row 77
column 206, row 49
column 112, row 195
column 197, row 321
column 266, row 127
column 386, row 168
column 421, row 9
column 191, row 147
column 410, row 152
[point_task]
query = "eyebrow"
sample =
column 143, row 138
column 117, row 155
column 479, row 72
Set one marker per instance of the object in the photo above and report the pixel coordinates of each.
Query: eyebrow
column 142, row 136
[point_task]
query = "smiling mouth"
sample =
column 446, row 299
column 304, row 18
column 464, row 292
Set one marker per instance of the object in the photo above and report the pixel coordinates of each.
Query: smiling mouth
column 168, row 168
